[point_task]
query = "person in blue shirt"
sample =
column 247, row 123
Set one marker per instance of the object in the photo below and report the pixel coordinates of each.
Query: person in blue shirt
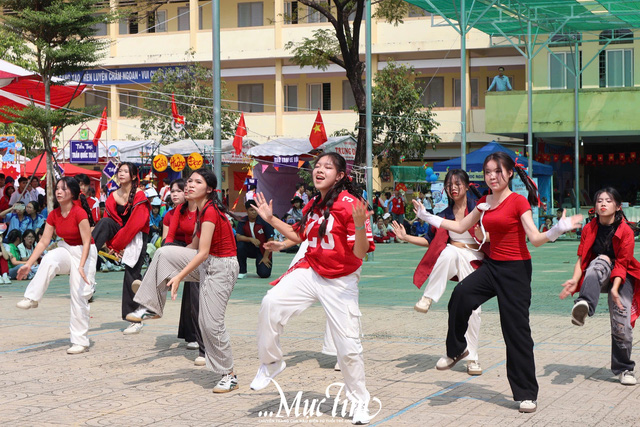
column 155, row 219
column 37, row 220
column 16, row 219
column 500, row 82
column 420, row 228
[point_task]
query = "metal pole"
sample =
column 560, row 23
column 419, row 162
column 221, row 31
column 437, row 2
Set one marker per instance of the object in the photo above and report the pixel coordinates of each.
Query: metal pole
column 576, row 63
column 463, row 85
column 368, row 90
column 529, row 100
column 217, row 110
column 369, row 84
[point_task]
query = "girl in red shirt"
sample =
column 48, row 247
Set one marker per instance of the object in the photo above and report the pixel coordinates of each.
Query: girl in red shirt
column 338, row 232
column 75, row 256
column 606, row 264
column 505, row 273
column 125, row 228
column 210, row 259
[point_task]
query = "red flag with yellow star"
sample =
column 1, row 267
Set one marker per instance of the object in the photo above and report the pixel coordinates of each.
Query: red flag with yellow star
column 318, row 134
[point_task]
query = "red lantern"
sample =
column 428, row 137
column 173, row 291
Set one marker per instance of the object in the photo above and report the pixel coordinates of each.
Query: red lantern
column 589, row 159
column 600, row 158
column 622, row 158
column 632, row 156
column 567, row 158
column 611, row 158
column 556, row 157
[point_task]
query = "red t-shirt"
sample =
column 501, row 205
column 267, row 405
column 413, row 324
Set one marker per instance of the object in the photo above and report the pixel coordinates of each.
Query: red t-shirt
column 223, row 242
column 333, row 257
column 166, row 220
column 181, row 226
column 397, row 205
column 68, row 228
column 508, row 238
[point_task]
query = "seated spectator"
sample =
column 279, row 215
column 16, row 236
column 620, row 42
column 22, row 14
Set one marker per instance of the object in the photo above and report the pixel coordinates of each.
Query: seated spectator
column 380, row 233
column 14, row 238
column 548, row 223
column 155, row 220
column 387, row 223
column 4, row 259
column 28, row 243
column 16, row 219
column 36, row 219
column 251, row 235
column 6, row 196
column 295, row 213
column 420, row 228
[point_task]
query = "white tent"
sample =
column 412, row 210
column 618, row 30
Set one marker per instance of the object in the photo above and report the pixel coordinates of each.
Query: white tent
column 205, row 147
column 344, row 145
column 128, row 151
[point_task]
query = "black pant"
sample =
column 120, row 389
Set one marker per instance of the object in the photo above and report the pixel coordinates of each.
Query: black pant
column 189, row 328
column 104, row 231
column 249, row 250
column 510, row 281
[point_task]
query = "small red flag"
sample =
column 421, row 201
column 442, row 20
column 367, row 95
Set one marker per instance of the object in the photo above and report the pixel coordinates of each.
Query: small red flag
column 318, row 134
column 102, row 126
column 177, row 118
column 241, row 131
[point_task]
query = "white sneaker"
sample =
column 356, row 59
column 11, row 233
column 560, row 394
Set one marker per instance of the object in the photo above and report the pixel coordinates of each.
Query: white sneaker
column 337, row 367
column 242, row 275
column 446, row 362
column 361, row 415
column 135, row 285
column 423, row 304
column 579, row 313
column 266, row 373
column 627, row 378
column 474, row 368
column 133, row 328
column 5, row 279
column 528, row 406
column 77, row 349
column 27, row 303
column 193, row 346
column 200, row 361
column 142, row 313
column 226, row 384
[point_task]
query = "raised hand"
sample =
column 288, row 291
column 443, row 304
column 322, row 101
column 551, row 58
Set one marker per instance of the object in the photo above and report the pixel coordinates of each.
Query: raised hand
column 265, row 210
column 360, row 213
column 401, row 233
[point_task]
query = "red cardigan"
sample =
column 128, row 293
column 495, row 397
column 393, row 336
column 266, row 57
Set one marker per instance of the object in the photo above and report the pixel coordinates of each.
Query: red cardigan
column 625, row 264
column 138, row 220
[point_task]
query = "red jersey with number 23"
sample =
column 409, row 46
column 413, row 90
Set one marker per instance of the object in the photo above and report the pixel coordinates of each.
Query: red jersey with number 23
column 332, row 256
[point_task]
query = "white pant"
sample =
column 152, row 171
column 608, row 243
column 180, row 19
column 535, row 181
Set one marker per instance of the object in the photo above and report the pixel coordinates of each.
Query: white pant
column 339, row 297
column 455, row 261
column 65, row 259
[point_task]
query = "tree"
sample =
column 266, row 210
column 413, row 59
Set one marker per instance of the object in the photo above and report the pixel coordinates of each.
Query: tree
column 341, row 46
column 402, row 126
column 60, row 36
column 192, row 85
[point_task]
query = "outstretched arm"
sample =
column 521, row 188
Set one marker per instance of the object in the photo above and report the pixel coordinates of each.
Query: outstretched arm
column 401, row 234
column 265, row 210
column 538, row 239
column 456, row 226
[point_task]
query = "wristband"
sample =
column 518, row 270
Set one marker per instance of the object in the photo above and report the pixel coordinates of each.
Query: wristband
column 557, row 230
column 360, row 228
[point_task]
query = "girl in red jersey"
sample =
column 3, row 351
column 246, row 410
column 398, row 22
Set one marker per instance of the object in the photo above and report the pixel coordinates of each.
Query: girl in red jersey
column 336, row 226
column 125, row 225
column 505, row 273
column 75, row 255
column 211, row 260
column 606, row 264
column 180, row 233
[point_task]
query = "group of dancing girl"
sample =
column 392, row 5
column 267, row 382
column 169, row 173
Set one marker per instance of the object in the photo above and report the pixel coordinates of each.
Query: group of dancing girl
column 480, row 242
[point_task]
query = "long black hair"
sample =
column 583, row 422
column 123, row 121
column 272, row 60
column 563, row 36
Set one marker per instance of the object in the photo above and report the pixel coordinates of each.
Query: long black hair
column 135, row 181
column 180, row 183
column 72, row 185
column 619, row 215
column 213, row 199
column 327, row 203
column 464, row 178
column 505, row 161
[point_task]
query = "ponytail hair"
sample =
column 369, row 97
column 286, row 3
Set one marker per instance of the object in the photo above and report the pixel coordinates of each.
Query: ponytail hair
column 213, row 199
column 327, row 203
column 73, row 186
column 135, row 182
column 505, row 161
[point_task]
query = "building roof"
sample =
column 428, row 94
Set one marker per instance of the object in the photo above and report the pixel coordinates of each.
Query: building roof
column 511, row 17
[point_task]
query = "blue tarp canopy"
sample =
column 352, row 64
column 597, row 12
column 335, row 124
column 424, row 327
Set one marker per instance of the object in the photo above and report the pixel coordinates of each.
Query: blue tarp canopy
column 475, row 159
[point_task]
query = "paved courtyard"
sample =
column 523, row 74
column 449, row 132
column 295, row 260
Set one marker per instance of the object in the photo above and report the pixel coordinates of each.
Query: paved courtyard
column 150, row 379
